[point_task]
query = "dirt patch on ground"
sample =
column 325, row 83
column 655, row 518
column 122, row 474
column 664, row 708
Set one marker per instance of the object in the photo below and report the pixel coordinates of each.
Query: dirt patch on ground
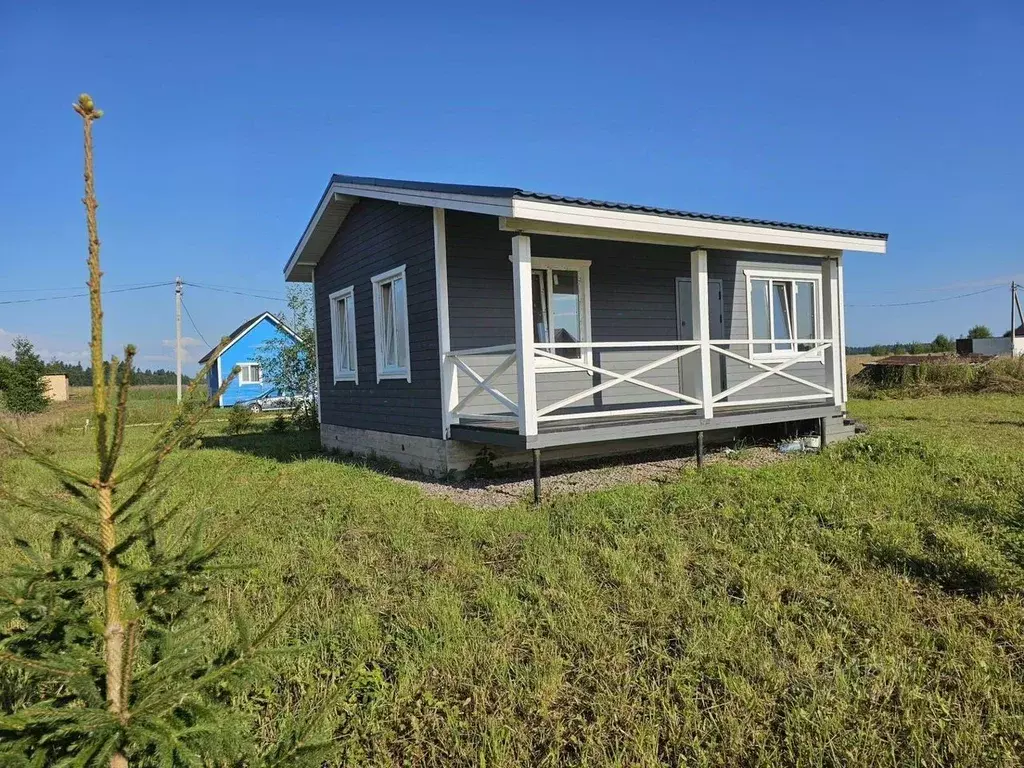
column 653, row 467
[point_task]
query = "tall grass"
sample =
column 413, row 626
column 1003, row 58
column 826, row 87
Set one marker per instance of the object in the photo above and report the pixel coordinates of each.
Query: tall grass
column 941, row 376
column 861, row 607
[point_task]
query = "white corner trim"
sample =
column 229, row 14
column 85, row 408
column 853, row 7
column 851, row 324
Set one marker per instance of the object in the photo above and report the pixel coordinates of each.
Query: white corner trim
column 349, row 296
column 632, row 221
column 220, row 383
column 377, row 281
column 449, row 376
column 316, row 346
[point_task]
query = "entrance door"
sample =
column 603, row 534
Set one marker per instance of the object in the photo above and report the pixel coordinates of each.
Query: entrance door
column 716, row 320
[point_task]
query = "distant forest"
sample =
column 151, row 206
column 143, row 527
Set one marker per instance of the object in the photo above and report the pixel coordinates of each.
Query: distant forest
column 82, row 377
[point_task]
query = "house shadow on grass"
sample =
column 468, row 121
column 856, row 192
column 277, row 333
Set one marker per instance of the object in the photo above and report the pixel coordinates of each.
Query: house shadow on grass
column 279, row 446
column 941, row 565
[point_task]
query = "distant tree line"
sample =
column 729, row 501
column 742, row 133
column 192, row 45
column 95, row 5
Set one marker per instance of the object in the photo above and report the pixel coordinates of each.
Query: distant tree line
column 82, row 377
column 940, row 344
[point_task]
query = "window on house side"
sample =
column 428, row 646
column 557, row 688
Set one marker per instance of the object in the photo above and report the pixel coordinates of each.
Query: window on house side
column 783, row 310
column 391, row 325
column 343, row 335
column 250, row 373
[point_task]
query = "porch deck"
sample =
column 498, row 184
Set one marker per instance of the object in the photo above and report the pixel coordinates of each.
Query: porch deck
column 605, row 429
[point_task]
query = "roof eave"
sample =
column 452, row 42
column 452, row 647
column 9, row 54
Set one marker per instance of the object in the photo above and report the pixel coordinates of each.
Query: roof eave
column 531, row 213
column 344, row 191
column 513, row 205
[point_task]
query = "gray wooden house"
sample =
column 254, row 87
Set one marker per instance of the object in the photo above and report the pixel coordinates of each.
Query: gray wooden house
column 452, row 317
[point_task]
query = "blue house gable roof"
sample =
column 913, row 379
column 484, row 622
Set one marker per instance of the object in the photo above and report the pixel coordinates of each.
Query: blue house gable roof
column 243, row 348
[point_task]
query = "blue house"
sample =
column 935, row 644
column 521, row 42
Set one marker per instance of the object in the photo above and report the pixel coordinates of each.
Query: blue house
column 243, row 350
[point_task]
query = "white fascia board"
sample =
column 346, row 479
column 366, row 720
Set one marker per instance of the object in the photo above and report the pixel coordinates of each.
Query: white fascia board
column 266, row 315
column 496, row 206
column 338, row 192
column 693, row 229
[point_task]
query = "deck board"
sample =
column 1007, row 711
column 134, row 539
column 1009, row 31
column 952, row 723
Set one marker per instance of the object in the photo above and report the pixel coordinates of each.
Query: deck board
column 552, row 434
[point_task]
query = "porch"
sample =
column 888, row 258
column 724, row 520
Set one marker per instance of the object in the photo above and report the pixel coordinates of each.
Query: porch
column 559, row 384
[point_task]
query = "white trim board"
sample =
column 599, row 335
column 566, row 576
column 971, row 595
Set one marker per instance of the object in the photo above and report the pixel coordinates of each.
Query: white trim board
column 537, row 216
column 392, row 275
column 273, row 318
column 348, row 294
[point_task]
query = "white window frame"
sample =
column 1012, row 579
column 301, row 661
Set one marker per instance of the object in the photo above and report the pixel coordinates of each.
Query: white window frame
column 582, row 269
column 792, row 276
column 242, row 367
column 395, row 372
column 347, row 297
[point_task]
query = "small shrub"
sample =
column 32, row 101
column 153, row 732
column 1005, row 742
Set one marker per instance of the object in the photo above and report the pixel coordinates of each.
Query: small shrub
column 482, row 467
column 279, row 424
column 240, row 419
column 306, row 416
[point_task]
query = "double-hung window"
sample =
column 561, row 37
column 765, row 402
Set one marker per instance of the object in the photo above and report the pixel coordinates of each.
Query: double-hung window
column 561, row 309
column 343, row 335
column 782, row 310
column 391, row 325
column 250, row 373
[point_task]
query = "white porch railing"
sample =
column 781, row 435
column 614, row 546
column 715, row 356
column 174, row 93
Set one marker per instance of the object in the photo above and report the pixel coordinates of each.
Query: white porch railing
column 456, row 361
column 699, row 363
column 492, row 377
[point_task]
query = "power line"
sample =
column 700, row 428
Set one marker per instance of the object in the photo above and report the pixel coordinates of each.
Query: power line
column 995, row 281
column 75, row 288
column 194, row 326
column 930, row 301
column 83, row 295
column 235, row 291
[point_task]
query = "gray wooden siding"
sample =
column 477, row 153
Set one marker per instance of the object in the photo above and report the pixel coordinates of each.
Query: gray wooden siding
column 633, row 298
column 375, row 237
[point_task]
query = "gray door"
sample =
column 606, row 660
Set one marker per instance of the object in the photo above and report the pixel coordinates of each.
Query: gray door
column 716, row 320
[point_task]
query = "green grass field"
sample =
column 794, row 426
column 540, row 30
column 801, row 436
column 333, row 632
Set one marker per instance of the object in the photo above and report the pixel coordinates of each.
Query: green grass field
column 861, row 607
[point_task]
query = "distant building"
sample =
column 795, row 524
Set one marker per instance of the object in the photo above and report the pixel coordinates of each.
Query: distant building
column 1002, row 346
column 56, row 387
column 242, row 350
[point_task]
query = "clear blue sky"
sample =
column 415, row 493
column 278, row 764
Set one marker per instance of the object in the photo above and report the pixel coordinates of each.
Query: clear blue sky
column 224, row 124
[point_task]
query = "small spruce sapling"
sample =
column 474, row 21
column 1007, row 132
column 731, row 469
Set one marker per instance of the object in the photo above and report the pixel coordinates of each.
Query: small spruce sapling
column 108, row 625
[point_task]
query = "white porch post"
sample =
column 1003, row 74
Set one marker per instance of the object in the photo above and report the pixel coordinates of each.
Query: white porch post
column 522, row 282
column 316, row 352
column 702, row 326
column 842, row 328
column 449, row 375
column 831, row 324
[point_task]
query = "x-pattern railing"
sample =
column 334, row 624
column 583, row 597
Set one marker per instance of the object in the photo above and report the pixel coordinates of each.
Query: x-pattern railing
column 503, row 357
column 484, row 384
column 614, row 379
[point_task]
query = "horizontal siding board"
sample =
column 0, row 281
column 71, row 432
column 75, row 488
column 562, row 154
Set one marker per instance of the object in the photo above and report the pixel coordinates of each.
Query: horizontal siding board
column 376, row 237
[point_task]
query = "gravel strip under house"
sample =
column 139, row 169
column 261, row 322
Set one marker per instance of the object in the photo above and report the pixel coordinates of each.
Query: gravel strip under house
column 651, row 467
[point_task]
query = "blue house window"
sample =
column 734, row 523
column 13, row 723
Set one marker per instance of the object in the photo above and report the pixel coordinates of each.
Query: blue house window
column 250, row 373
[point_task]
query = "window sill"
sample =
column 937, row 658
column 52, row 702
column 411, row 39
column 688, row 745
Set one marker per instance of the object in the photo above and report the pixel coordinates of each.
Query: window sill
column 344, row 377
column 398, row 375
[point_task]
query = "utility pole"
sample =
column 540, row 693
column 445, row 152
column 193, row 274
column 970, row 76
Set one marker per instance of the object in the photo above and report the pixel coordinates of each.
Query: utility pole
column 177, row 330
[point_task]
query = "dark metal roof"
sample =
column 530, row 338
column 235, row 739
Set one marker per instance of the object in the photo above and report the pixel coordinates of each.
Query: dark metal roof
column 238, row 332
column 522, row 194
